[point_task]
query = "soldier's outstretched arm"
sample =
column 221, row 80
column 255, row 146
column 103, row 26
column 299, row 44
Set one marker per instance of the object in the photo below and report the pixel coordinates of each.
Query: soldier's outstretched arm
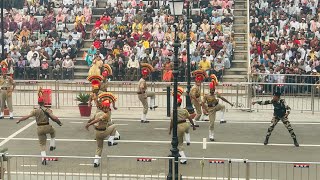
column 262, row 102
column 24, row 118
column 287, row 107
column 54, row 118
column 191, row 120
column 224, row 99
column 92, row 122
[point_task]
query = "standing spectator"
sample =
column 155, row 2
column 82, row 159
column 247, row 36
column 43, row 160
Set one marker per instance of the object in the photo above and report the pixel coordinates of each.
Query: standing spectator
column 87, row 14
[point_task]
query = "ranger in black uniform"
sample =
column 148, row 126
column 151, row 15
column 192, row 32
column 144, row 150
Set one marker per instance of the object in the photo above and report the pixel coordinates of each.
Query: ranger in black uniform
column 281, row 112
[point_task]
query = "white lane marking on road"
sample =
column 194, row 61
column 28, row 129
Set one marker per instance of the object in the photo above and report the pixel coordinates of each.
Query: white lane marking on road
column 121, row 124
column 85, row 164
column 204, row 145
column 228, row 122
column 161, row 129
column 154, row 176
column 168, row 142
column 29, row 165
column 16, row 133
column 76, row 122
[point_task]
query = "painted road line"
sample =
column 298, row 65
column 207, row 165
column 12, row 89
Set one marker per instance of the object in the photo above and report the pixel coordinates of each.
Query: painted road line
column 121, row 124
column 76, row 122
column 29, row 165
column 238, row 121
column 204, row 145
column 16, row 133
column 168, row 142
column 85, row 164
column 142, row 176
column 165, row 129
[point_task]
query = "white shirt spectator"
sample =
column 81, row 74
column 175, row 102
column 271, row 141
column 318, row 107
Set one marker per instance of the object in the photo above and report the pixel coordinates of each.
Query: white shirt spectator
column 68, row 2
column 30, row 54
column 15, row 56
column 292, row 9
column 103, row 34
column 77, row 9
column 133, row 64
column 294, row 24
column 34, row 62
column 303, row 25
column 264, row 4
column 70, row 42
column 68, row 63
column 76, row 36
column 282, row 23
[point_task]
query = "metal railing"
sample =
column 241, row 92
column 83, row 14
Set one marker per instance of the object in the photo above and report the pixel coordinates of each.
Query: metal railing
column 299, row 96
column 25, row 167
column 285, row 78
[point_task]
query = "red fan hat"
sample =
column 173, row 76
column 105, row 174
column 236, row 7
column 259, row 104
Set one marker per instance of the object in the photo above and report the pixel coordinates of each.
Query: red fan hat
column 40, row 100
column 105, row 73
column 105, row 103
column 212, row 85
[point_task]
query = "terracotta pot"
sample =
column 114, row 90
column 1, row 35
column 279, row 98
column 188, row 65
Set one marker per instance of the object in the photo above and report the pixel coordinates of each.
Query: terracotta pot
column 85, row 110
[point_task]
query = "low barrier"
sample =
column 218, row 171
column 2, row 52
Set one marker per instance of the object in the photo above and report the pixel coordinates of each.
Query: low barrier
column 300, row 97
column 29, row 167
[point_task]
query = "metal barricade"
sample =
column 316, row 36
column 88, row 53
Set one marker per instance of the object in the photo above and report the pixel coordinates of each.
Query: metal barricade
column 138, row 167
column 29, row 167
column 213, row 168
column 282, row 170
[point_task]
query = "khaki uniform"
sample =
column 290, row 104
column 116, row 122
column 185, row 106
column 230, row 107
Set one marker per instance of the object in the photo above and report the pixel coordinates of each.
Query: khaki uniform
column 212, row 106
column 6, row 92
column 104, row 128
column 104, row 87
column 143, row 95
column 44, row 127
column 183, row 126
column 196, row 94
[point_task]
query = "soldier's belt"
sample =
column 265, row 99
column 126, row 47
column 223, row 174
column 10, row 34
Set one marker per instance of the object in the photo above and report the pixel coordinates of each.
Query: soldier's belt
column 4, row 88
column 43, row 124
column 141, row 92
column 211, row 105
column 98, row 129
column 183, row 121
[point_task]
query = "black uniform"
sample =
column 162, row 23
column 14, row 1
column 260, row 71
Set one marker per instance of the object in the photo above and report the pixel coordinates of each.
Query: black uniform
column 281, row 109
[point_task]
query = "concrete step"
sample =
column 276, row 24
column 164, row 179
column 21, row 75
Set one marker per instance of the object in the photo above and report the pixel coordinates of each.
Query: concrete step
column 98, row 11
column 240, row 54
column 101, row 4
column 234, row 78
column 239, row 63
column 236, row 71
column 240, row 37
column 80, row 61
column 240, row 20
column 240, row 6
column 240, row 28
column 80, row 75
column 240, row 12
column 82, row 68
column 87, row 43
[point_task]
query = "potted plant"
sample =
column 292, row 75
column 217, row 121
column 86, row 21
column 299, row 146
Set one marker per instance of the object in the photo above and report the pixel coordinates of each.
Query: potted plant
column 83, row 98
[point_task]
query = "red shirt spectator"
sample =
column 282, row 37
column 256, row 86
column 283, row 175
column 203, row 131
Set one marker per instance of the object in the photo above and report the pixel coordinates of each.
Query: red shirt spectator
column 98, row 24
column 35, row 26
column 147, row 35
column 105, row 17
column 97, row 43
column 13, row 26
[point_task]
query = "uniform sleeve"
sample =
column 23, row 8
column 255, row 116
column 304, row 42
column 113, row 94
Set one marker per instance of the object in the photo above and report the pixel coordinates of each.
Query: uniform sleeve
column 286, row 106
column 187, row 114
column 264, row 102
column 204, row 99
column 32, row 113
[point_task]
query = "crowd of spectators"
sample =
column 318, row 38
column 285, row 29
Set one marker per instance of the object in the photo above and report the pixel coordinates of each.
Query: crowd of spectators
column 42, row 38
column 284, row 37
column 133, row 32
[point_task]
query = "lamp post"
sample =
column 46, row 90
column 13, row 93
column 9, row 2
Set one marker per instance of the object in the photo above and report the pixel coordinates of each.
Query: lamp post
column 176, row 7
column 2, row 31
column 188, row 99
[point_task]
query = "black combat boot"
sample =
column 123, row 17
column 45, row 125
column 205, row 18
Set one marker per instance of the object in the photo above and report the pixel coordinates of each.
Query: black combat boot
column 295, row 142
column 266, row 141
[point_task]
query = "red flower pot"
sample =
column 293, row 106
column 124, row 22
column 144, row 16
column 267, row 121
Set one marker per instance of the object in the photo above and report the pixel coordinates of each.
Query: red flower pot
column 85, row 110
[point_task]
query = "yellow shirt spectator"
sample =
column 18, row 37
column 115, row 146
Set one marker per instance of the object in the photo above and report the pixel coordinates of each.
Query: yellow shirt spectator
column 146, row 44
column 204, row 64
column 137, row 26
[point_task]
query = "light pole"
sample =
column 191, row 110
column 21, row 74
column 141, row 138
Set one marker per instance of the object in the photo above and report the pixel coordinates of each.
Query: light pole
column 2, row 31
column 176, row 7
column 188, row 100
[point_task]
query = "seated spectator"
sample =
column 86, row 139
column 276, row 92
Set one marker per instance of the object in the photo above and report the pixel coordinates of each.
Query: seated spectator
column 20, row 68
column 35, row 25
column 205, row 65
column 133, row 66
column 218, row 68
column 67, row 66
column 70, row 18
column 44, row 69
column 31, row 53
column 15, row 55
column 167, row 71
column 34, row 67
column 13, row 26
column 79, row 19
column 81, row 30
column 57, row 67
column 97, row 43
column 53, row 34
column 60, row 20
column 24, row 33
column 77, row 37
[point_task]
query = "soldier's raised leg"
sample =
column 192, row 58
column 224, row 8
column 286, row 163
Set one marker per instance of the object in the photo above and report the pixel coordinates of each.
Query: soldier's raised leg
column 152, row 96
column 144, row 101
column 212, row 118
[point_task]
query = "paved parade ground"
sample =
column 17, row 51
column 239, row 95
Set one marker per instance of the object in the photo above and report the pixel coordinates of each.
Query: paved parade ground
column 240, row 138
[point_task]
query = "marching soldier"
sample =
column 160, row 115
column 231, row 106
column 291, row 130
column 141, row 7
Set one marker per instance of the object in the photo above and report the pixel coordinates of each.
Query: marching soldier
column 102, row 124
column 105, row 74
column 195, row 93
column 183, row 127
column 142, row 92
column 42, row 115
column 281, row 112
column 96, row 90
column 211, row 105
column 7, row 87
